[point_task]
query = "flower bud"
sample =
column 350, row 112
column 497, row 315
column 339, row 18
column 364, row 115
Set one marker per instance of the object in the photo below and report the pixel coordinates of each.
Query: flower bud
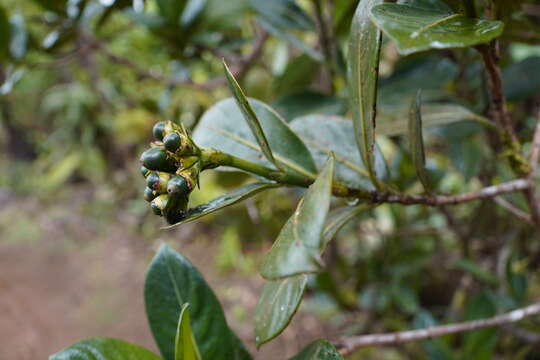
column 156, row 158
column 159, row 130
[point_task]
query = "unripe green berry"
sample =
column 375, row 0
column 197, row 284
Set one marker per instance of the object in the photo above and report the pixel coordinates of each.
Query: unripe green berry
column 156, row 158
column 172, row 141
column 149, row 194
column 159, row 130
column 158, row 182
column 152, row 180
column 178, row 185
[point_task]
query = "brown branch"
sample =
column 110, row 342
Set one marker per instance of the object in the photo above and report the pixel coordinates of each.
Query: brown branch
column 348, row 345
column 498, row 109
column 438, row 200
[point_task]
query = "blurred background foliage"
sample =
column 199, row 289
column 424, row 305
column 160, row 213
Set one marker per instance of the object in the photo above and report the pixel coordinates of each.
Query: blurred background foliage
column 83, row 81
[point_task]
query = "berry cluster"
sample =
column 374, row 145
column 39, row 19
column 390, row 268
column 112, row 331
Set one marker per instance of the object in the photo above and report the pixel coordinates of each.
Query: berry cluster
column 171, row 167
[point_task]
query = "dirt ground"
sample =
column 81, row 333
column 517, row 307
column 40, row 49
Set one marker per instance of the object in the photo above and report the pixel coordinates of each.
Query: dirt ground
column 65, row 277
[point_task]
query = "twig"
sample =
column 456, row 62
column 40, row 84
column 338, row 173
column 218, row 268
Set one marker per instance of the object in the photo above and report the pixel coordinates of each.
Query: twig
column 513, row 209
column 305, row 179
column 348, row 345
column 531, row 195
column 498, row 101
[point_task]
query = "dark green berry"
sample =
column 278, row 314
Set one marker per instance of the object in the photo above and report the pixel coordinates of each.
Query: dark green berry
column 157, row 181
column 157, row 159
column 152, row 180
column 172, row 141
column 149, row 194
column 159, row 130
column 178, row 185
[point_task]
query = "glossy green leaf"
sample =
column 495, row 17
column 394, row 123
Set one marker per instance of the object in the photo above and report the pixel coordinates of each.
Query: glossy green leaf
column 277, row 305
column 394, row 121
column 172, row 281
column 235, row 196
column 283, row 14
column 104, row 349
column 429, row 72
column 171, row 10
column 416, row 142
column 308, row 103
column 323, row 134
column 223, row 127
column 339, row 217
column 297, row 249
column 419, row 25
column 318, row 350
column 5, row 33
column 249, row 115
column 364, row 51
column 185, row 345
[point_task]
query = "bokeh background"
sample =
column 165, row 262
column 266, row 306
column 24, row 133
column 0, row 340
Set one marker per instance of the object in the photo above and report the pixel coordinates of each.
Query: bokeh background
column 83, row 81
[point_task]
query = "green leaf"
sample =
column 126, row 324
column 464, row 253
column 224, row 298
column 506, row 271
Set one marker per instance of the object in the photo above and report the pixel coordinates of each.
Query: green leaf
column 364, row 51
column 318, row 350
column 416, row 142
column 185, row 345
column 5, row 33
column 235, row 196
column 277, row 305
column 172, row 281
column 323, row 134
column 419, row 25
column 223, row 127
column 297, row 76
column 393, row 122
column 104, row 349
column 297, row 250
column 339, row 217
column 283, row 14
column 171, row 10
column 249, row 115
column 308, row 103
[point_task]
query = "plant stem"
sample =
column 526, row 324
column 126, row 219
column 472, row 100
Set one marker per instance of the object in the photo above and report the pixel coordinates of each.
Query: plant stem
column 349, row 344
column 212, row 158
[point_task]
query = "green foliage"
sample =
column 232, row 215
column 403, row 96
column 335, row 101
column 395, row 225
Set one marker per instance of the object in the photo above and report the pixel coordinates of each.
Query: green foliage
column 104, row 348
column 84, row 84
column 420, row 25
column 171, row 282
